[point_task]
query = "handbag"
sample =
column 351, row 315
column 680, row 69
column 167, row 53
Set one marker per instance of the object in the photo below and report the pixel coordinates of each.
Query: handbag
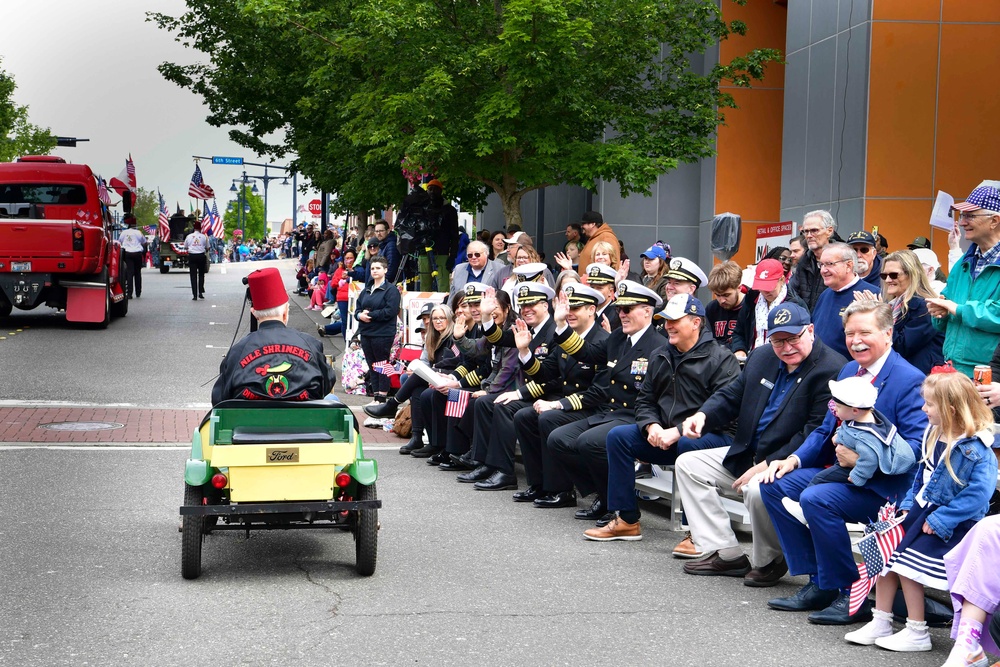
column 403, row 425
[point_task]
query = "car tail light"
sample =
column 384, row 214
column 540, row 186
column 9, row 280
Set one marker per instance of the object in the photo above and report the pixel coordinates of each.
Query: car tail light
column 77, row 238
column 219, row 480
column 343, row 479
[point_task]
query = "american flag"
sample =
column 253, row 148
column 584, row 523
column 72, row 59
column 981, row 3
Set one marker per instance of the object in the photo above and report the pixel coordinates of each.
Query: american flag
column 198, row 188
column 164, row 220
column 218, row 230
column 880, row 540
column 102, row 191
column 458, row 401
column 386, row 368
column 149, row 229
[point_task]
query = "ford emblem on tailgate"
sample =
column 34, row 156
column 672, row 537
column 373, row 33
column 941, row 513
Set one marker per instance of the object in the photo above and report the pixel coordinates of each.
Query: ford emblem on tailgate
column 284, row 455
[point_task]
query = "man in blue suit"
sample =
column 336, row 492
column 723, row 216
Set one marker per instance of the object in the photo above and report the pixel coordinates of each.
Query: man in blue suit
column 823, row 548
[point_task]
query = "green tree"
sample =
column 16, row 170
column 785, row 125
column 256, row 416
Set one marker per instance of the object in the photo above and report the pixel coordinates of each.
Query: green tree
column 508, row 96
column 253, row 221
column 18, row 136
column 146, row 208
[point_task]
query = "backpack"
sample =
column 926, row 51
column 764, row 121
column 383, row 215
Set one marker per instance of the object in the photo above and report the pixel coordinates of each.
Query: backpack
column 403, row 425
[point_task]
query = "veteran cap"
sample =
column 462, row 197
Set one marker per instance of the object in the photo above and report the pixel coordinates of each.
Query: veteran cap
column 682, row 268
column 861, row 237
column 633, row 294
column 581, row 295
column 527, row 272
column 601, row 274
column 530, row 293
column 474, row 292
column 919, row 242
column 788, row 318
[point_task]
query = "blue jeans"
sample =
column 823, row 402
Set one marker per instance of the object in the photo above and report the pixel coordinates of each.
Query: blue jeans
column 626, row 444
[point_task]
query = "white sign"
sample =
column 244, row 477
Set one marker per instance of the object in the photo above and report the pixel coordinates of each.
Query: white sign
column 941, row 214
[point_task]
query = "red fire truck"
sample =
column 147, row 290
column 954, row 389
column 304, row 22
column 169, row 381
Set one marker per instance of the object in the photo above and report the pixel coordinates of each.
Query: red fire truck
column 56, row 245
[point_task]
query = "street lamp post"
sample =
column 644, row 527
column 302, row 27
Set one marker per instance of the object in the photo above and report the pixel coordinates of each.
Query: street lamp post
column 266, row 178
column 244, row 205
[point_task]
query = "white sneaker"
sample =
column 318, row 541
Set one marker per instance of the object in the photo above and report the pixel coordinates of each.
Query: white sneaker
column 907, row 640
column 879, row 626
column 795, row 509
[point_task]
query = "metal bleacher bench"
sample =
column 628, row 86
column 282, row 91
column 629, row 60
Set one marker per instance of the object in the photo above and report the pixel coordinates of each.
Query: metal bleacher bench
column 663, row 487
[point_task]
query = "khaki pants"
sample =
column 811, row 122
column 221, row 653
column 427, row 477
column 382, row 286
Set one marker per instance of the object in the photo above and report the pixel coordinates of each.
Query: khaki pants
column 443, row 278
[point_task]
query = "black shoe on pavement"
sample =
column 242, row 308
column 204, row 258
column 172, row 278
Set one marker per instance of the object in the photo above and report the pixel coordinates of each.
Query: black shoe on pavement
column 530, row 494
column 561, row 499
column 838, row 613
column 477, row 475
column 808, row 598
column 498, row 481
column 438, row 458
column 767, row 575
column 596, row 510
column 425, row 452
column 457, row 464
column 415, row 443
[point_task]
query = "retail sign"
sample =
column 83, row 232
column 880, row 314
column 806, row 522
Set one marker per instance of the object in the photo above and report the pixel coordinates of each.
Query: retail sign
column 771, row 236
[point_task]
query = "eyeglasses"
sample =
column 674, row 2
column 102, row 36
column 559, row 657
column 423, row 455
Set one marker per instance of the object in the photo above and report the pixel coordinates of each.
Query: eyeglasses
column 862, row 250
column 830, row 265
column 810, row 232
column 791, row 341
column 891, row 275
column 785, row 259
column 476, row 255
column 440, row 319
column 970, row 216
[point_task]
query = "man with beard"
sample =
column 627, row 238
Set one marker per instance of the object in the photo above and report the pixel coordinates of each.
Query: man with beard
column 869, row 263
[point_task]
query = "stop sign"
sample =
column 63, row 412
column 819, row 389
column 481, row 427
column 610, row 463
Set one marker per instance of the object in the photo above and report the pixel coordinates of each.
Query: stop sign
column 316, row 207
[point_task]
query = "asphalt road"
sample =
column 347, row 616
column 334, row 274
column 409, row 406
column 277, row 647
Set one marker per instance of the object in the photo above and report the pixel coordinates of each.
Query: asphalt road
column 90, row 552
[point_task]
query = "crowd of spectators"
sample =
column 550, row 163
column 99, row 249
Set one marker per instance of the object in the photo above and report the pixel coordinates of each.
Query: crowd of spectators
column 595, row 371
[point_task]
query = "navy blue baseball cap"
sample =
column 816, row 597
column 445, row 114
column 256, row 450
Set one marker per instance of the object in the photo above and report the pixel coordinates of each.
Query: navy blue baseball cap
column 789, row 318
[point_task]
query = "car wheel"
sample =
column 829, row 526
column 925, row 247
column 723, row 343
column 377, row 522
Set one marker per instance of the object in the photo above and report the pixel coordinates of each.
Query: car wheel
column 164, row 268
column 192, row 531
column 366, row 533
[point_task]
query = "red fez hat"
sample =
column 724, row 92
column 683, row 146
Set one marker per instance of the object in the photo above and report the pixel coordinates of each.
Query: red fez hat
column 266, row 289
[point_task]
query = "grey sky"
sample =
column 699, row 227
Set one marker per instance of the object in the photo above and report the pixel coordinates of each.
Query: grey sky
column 88, row 69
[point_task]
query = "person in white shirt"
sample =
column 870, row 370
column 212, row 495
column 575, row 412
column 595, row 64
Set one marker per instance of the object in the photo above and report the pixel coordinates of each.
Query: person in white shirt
column 196, row 245
column 134, row 253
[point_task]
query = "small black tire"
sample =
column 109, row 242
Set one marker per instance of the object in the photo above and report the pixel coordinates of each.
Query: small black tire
column 164, row 268
column 192, row 533
column 366, row 533
column 6, row 308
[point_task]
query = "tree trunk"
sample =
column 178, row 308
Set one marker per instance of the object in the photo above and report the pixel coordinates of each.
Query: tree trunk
column 510, row 200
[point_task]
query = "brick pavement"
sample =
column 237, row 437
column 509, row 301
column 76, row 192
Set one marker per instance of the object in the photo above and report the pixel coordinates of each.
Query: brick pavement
column 139, row 425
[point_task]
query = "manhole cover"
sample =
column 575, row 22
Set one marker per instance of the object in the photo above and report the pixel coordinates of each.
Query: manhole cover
column 82, row 426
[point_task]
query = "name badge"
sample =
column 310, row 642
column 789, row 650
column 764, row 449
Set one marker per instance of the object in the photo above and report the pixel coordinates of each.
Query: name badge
column 612, row 363
column 769, row 385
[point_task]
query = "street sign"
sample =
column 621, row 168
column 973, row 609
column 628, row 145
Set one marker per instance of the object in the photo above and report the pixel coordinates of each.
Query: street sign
column 316, row 207
column 218, row 159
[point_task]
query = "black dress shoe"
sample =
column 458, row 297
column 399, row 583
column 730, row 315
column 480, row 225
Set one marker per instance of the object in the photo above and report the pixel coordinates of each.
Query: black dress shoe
column 606, row 519
column 716, row 566
column 808, row 598
column 595, row 511
column 838, row 613
column 768, row 575
column 530, row 494
column 415, row 443
column 438, row 458
column 381, row 410
column 425, row 452
column 477, row 475
column 561, row 499
column 498, row 481
column 455, row 464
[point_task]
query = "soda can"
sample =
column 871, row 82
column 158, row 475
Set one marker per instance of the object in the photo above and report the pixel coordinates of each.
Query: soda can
column 982, row 375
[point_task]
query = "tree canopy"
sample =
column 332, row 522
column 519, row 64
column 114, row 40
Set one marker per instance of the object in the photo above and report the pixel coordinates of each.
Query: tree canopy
column 146, row 208
column 253, row 220
column 508, row 96
column 17, row 135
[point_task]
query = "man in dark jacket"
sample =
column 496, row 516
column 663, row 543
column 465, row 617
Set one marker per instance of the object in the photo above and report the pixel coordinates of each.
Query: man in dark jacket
column 818, row 228
column 781, row 396
column 444, row 223
column 580, row 446
column 680, row 378
column 274, row 362
column 387, row 248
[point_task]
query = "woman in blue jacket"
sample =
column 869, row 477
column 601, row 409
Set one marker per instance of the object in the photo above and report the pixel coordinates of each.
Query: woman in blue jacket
column 376, row 310
column 905, row 287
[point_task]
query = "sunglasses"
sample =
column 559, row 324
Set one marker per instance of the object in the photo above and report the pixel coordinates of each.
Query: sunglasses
column 627, row 309
column 891, row 275
column 863, row 250
column 477, row 255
